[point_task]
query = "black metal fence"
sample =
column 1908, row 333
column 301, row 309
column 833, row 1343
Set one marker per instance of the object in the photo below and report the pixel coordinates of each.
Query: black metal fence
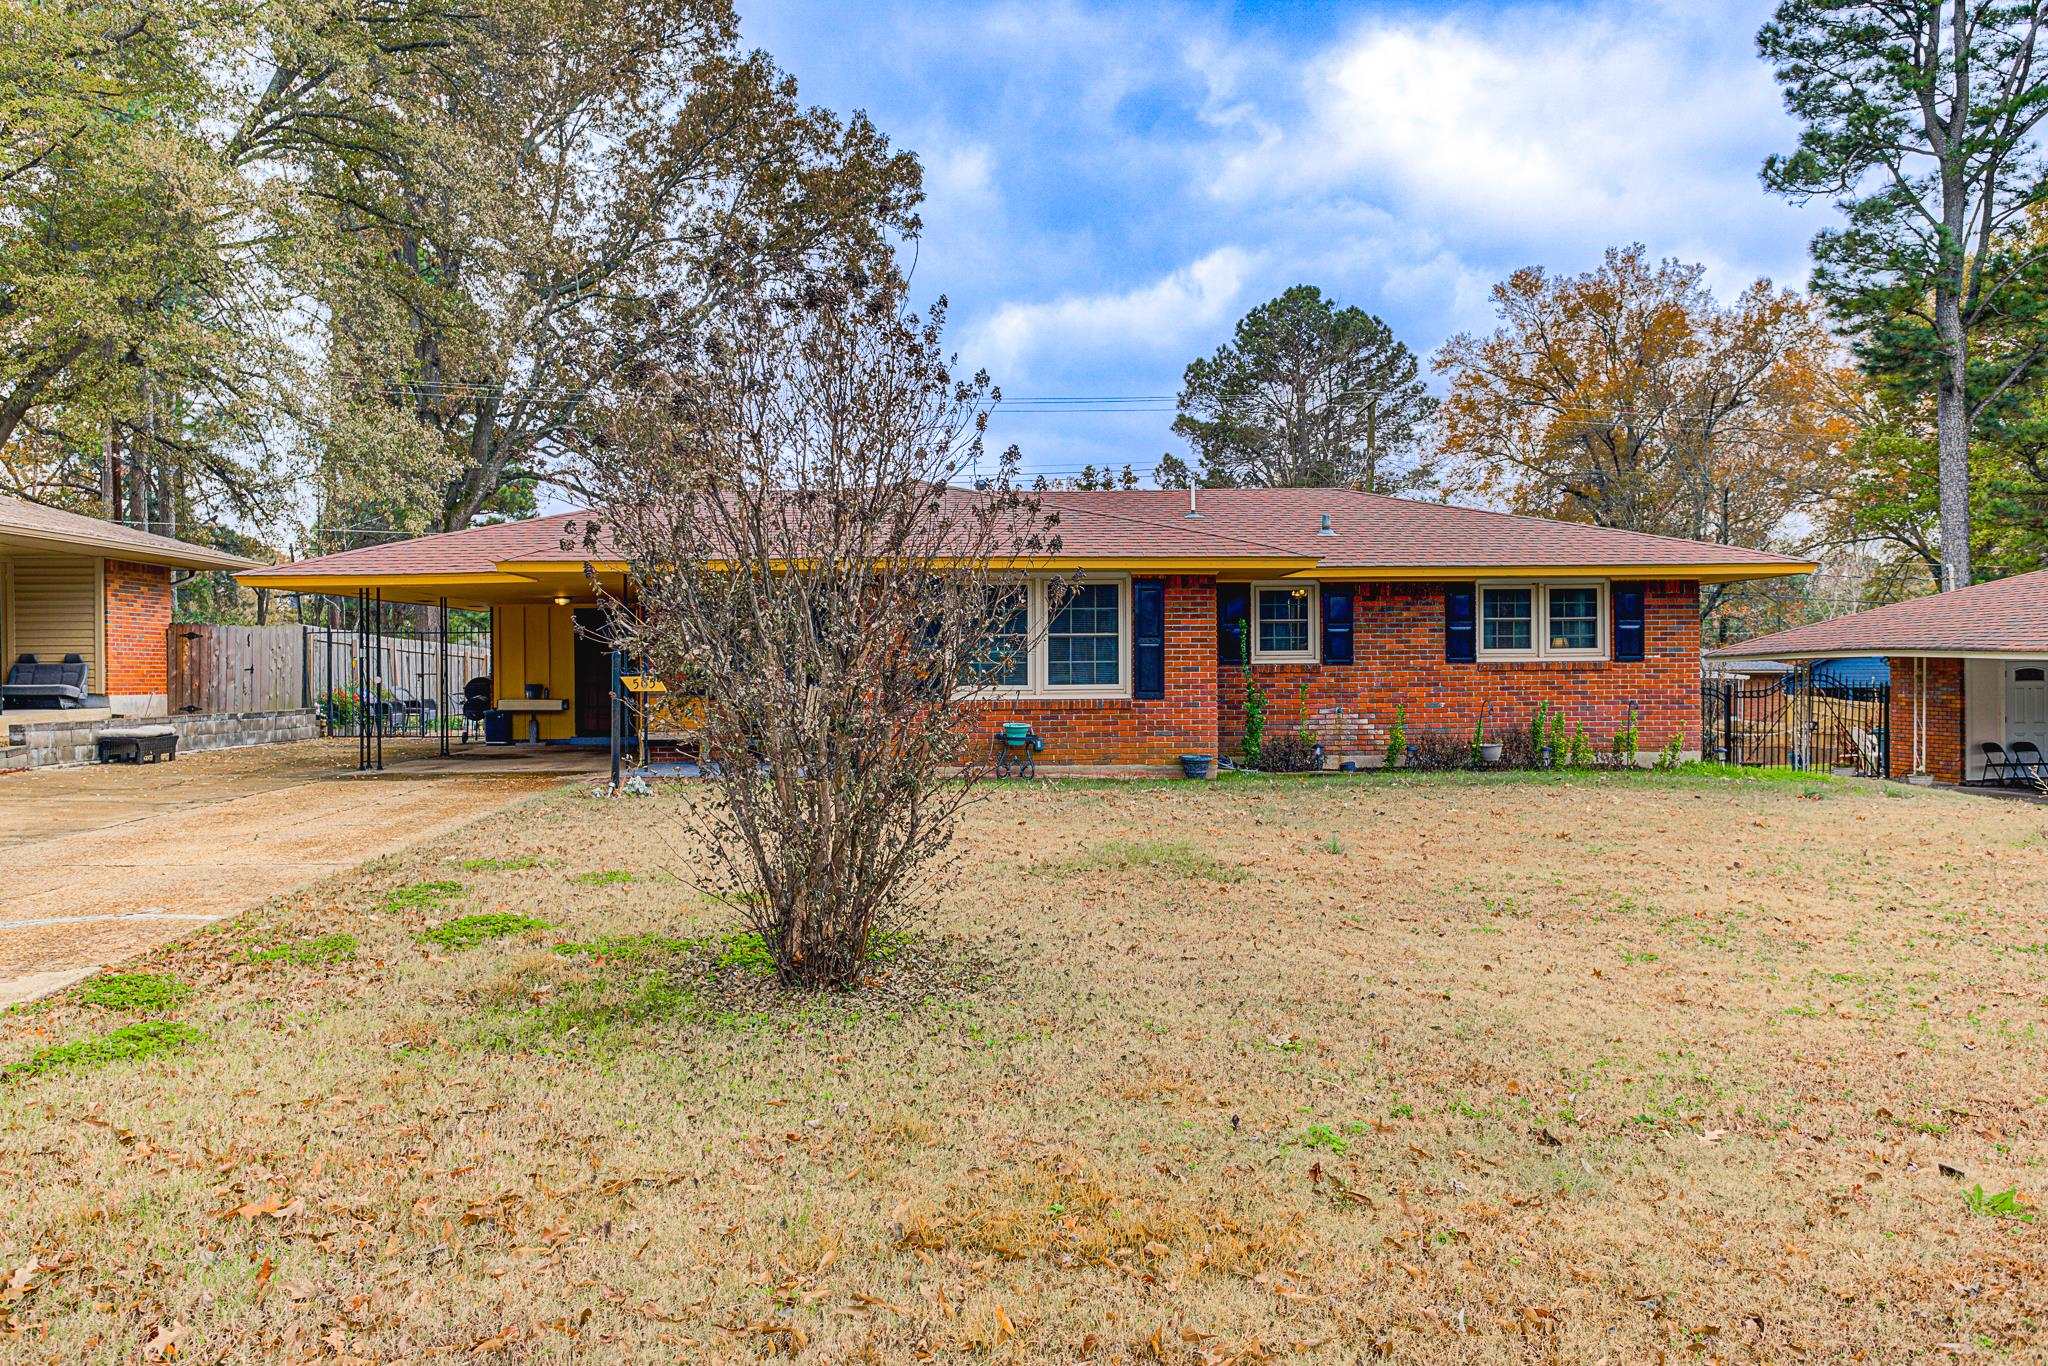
column 1787, row 721
column 393, row 670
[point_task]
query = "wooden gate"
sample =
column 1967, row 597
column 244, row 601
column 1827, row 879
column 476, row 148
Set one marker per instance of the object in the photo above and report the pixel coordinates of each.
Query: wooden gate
column 236, row 668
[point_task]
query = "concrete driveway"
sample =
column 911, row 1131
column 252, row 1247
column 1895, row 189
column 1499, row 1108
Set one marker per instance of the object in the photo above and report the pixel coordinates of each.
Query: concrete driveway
column 101, row 863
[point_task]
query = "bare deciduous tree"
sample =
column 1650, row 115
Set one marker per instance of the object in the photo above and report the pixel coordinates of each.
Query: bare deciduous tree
column 780, row 491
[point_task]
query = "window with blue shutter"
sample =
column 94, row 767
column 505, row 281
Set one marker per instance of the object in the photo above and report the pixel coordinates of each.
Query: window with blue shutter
column 1233, row 608
column 1148, row 638
column 1628, row 622
column 1460, row 641
column 1337, row 607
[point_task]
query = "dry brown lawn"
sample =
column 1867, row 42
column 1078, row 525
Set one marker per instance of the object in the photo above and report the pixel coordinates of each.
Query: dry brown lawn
column 1618, row 1068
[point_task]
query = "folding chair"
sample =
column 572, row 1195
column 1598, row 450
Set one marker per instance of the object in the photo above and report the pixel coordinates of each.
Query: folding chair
column 1999, row 769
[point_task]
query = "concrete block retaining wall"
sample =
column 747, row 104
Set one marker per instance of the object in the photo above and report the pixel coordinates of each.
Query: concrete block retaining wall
column 42, row 744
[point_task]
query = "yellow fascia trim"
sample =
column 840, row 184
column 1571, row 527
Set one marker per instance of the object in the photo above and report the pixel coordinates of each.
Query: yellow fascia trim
column 1711, row 573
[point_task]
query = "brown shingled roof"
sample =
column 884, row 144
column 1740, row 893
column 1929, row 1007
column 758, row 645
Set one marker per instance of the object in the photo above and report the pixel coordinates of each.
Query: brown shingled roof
column 1368, row 532
column 23, row 522
column 1373, row 531
column 2006, row 616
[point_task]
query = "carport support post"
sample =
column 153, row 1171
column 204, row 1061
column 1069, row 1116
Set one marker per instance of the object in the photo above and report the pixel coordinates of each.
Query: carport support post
column 441, row 718
column 618, row 715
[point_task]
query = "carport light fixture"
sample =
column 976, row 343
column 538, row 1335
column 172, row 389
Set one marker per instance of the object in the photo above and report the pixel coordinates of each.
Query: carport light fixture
column 561, row 599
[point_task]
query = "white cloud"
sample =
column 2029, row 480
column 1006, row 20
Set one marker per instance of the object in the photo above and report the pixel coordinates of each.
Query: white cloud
column 1161, row 316
column 1526, row 125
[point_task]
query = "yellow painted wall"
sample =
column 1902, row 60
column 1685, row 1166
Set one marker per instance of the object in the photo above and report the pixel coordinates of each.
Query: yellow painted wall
column 54, row 610
column 536, row 645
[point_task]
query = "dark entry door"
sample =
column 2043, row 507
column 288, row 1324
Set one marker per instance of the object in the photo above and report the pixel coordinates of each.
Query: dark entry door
column 593, row 672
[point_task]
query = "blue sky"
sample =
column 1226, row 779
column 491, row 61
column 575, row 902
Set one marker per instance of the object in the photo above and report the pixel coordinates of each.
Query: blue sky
column 1111, row 186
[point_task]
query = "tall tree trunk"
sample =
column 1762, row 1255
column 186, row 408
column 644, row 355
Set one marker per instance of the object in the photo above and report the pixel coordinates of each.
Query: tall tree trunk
column 1952, row 427
column 110, row 473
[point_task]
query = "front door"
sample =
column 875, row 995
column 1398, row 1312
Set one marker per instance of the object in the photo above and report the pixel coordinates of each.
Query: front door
column 2026, row 704
column 593, row 672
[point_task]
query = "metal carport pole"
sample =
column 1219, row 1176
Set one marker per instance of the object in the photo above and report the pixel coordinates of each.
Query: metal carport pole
column 442, row 719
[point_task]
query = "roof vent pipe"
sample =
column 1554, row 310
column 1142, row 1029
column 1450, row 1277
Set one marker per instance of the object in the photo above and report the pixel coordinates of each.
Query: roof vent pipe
column 1324, row 529
column 1191, row 501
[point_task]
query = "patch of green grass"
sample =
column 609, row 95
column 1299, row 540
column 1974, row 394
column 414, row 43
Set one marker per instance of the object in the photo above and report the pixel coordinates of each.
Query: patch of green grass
column 2004, row 1205
column 326, row 948
column 133, row 991
column 745, row 951
column 499, row 865
column 468, row 931
column 1323, row 1137
column 591, row 1013
column 628, row 948
column 130, row 1043
column 420, row 896
column 603, row 877
column 1178, row 857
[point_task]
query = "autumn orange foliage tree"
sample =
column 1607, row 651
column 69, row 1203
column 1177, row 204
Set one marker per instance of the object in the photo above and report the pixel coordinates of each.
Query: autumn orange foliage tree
column 1630, row 397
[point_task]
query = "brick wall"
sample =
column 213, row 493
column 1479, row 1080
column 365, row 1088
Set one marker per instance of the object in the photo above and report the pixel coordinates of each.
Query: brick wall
column 1399, row 648
column 138, row 614
column 1944, row 717
column 1122, row 730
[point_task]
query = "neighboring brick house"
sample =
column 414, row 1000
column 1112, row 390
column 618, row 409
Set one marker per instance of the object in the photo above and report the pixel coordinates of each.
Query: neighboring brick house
column 1452, row 614
column 1968, row 668
column 72, row 585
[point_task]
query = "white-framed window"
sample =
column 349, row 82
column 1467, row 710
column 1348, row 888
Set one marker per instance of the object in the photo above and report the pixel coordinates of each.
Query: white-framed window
column 1006, row 660
column 1530, row 620
column 1082, row 649
column 1286, row 621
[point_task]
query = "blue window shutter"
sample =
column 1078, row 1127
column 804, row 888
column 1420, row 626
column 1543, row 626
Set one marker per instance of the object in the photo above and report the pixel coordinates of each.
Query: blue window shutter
column 1148, row 638
column 1628, row 622
column 1233, row 607
column 1461, row 642
column 1337, row 604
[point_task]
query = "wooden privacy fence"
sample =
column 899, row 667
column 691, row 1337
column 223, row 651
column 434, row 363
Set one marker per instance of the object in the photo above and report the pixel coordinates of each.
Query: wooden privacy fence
column 280, row 668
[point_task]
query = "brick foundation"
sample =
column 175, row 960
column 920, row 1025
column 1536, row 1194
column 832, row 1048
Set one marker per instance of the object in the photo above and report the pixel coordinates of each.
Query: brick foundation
column 138, row 614
column 1399, row 649
column 1944, row 717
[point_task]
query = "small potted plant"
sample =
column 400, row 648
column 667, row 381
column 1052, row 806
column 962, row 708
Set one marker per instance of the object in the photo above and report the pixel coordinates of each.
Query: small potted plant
column 1196, row 765
column 1486, row 751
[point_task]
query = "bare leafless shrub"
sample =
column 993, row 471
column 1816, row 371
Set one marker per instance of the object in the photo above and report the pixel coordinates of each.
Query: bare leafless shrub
column 1434, row 749
column 1287, row 753
column 780, row 494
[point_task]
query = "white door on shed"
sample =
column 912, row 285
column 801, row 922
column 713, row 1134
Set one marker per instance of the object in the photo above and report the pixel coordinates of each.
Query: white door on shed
column 2026, row 704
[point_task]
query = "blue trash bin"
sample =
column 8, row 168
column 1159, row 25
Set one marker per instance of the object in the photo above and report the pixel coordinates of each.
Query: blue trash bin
column 497, row 727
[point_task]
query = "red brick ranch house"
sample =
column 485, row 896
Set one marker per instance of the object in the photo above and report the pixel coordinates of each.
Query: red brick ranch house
column 1968, row 667
column 1453, row 614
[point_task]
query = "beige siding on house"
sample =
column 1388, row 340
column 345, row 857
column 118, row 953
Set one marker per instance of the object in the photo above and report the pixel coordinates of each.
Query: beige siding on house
column 54, row 610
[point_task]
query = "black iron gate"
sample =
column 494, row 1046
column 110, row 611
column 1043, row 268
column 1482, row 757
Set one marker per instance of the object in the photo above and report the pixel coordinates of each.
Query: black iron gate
column 1789, row 721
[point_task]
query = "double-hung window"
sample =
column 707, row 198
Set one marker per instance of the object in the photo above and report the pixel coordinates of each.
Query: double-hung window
column 1084, row 640
column 1060, row 640
column 1284, row 623
column 1543, row 620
